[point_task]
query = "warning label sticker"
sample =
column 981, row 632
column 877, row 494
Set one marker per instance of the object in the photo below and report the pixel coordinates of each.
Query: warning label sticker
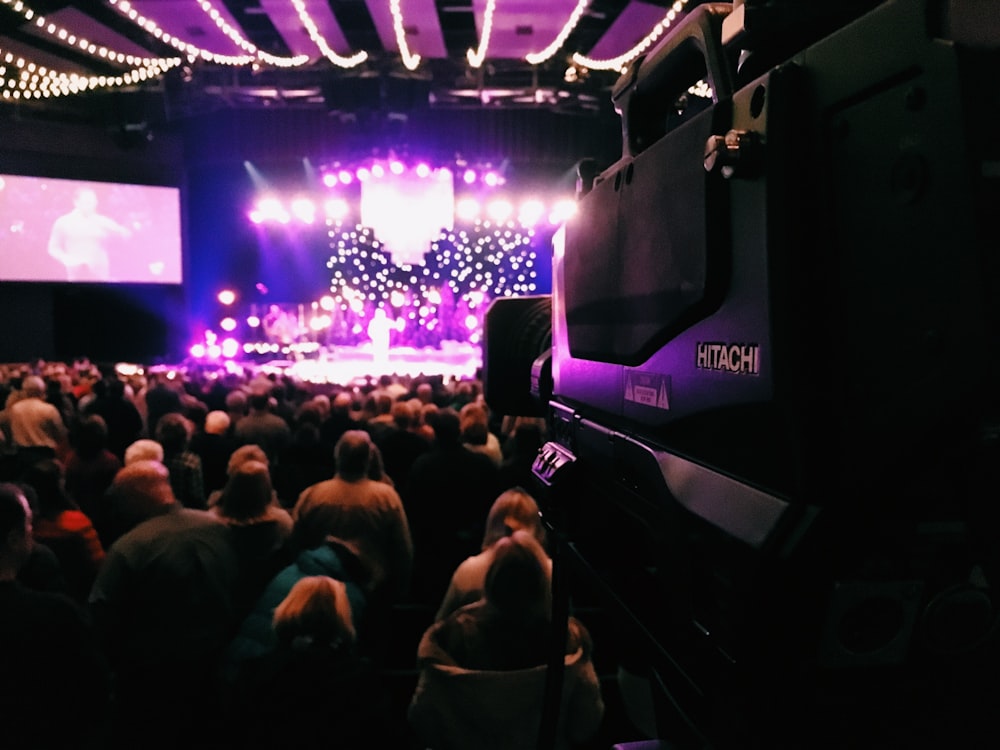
column 648, row 389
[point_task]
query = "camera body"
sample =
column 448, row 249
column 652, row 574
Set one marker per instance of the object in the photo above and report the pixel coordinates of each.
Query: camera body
column 769, row 373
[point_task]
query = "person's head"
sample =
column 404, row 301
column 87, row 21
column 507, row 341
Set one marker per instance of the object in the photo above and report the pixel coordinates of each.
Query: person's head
column 518, row 583
column 383, row 404
column 236, row 402
column 514, row 510
column 90, row 436
column 353, row 454
column 140, row 491
column 259, row 402
column 474, row 424
column 249, row 452
column 446, row 427
column 15, row 530
column 143, row 449
column 402, row 415
column 309, row 413
column 217, row 422
column 322, row 403
column 316, row 611
column 342, row 403
column 425, row 392
column 173, row 431
column 46, row 478
column 85, row 200
column 248, row 492
column 33, row 387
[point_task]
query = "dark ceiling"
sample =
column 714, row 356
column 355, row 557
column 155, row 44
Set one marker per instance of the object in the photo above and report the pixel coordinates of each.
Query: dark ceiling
column 440, row 31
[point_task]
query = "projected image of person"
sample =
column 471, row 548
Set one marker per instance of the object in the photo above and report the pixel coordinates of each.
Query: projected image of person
column 80, row 239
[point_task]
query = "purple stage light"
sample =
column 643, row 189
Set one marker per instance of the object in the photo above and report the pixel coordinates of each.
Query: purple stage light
column 197, row 351
column 469, row 177
column 330, row 180
column 492, row 179
column 396, row 167
column 230, row 348
column 345, row 177
column 423, row 170
column 227, row 324
column 226, row 296
column 378, row 171
column 363, row 173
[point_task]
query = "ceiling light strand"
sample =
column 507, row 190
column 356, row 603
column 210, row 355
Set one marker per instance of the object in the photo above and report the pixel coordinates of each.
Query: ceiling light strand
column 539, row 57
column 621, row 62
column 32, row 81
column 247, row 46
column 191, row 50
column 410, row 60
column 322, row 44
column 477, row 57
column 77, row 43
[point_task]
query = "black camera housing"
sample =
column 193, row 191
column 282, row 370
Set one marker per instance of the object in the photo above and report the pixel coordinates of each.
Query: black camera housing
column 770, row 374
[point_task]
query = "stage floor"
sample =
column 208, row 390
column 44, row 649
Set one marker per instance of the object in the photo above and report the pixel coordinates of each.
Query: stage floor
column 348, row 365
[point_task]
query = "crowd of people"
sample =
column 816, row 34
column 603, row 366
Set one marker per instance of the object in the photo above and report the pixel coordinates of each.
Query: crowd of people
column 214, row 559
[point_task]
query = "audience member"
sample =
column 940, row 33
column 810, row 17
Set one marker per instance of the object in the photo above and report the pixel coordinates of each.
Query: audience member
column 54, row 685
column 90, row 466
column 35, row 426
column 256, row 638
column 520, row 450
column 483, row 668
column 447, row 497
column 163, row 606
column 514, row 510
column 307, row 460
column 260, row 528
column 314, row 689
column 474, row 423
column 264, row 428
column 340, row 419
column 367, row 514
column 214, row 445
column 160, row 397
column 173, row 432
column 60, row 525
column 143, row 449
column 236, row 408
column 121, row 416
column 402, row 446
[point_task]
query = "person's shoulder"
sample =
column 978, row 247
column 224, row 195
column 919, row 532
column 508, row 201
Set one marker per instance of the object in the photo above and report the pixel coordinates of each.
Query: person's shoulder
column 53, row 608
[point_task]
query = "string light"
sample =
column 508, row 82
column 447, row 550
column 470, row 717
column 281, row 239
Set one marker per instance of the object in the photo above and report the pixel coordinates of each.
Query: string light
column 33, row 81
column 539, row 57
column 619, row 63
column 246, row 45
column 319, row 41
column 410, row 61
column 192, row 51
column 78, row 43
column 476, row 58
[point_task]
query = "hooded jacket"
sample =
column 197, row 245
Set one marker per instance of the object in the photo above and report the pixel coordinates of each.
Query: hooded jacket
column 457, row 706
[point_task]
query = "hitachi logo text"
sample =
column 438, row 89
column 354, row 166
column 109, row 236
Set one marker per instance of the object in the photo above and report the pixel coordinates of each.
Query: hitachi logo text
column 739, row 358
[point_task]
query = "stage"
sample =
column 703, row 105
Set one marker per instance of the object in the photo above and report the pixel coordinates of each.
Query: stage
column 352, row 365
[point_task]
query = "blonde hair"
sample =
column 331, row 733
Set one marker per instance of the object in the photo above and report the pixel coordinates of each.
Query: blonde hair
column 247, row 493
column 513, row 510
column 317, row 610
column 518, row 581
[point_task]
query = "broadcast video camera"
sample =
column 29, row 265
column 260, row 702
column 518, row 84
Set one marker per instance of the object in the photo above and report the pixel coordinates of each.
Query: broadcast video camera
column 769, row 369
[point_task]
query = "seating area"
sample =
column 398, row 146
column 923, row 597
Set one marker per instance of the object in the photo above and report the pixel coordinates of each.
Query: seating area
column 445, row 474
